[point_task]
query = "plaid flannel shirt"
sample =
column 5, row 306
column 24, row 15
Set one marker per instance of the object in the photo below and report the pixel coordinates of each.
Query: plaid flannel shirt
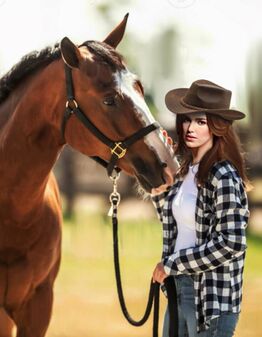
column 217, row 262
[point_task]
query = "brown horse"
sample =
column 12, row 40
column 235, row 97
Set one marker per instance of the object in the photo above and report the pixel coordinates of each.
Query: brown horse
column 32, row 105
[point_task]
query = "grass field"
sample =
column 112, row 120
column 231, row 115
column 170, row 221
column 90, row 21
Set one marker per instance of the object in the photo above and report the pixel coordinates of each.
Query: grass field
column 86, row 303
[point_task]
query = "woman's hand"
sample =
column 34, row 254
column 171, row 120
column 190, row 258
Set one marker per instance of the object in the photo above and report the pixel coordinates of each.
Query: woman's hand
column 159, row 273
column 168, row 140
column 159, row 190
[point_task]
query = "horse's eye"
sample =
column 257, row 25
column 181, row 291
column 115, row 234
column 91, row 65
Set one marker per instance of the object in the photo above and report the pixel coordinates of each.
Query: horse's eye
column 110, row 101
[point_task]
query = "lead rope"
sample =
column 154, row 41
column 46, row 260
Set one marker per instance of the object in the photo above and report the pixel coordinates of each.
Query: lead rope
column 153, row 297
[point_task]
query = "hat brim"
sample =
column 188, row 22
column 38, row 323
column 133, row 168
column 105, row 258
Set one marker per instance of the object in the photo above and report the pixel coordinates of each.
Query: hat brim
column 174, row 104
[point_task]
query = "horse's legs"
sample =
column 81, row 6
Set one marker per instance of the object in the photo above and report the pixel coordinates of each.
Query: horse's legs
column 6, row 324
column 33, row 318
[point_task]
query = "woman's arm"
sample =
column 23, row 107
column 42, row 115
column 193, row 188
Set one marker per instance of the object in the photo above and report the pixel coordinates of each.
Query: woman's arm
column 227, row 241
column 158, row 201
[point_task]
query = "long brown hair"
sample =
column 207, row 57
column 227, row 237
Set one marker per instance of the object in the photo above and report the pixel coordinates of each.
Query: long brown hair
column 226, row 146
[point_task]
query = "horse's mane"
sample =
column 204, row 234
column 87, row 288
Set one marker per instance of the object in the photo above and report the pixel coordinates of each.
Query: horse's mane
column 26, row 66
column 37, row 59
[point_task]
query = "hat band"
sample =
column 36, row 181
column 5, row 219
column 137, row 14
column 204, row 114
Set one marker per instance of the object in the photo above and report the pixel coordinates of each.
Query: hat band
column 186, row 105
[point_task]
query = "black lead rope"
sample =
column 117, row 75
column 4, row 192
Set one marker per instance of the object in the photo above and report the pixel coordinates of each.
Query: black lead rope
column 153, row 297
column 172, row 306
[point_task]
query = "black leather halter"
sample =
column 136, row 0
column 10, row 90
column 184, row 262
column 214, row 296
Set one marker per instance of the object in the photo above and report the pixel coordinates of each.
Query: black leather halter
column 118, row 148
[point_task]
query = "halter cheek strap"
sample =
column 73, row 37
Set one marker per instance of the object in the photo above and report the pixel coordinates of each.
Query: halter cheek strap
column 118, row 148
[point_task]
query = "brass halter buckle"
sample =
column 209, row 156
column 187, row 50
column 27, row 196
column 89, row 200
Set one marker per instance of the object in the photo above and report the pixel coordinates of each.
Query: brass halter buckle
column 118, row 150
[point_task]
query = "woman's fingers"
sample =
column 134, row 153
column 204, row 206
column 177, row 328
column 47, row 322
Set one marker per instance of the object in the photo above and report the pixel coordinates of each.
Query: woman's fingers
column 164, row 132
column 159, row 273
column 159, row 190
column 168, row 139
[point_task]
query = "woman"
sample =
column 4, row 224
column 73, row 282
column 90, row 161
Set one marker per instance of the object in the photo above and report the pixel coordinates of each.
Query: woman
column 205, row 213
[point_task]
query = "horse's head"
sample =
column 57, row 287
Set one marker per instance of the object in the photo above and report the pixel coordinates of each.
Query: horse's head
column 113, row 100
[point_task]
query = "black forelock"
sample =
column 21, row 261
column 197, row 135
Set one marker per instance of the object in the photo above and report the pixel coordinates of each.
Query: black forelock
column 105, row 53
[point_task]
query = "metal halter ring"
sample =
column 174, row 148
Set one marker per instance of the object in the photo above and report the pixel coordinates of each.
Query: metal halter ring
column 70, row 102
column 118, row 147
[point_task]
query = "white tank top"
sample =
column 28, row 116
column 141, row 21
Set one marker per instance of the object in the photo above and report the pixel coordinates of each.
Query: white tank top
column 183, row 209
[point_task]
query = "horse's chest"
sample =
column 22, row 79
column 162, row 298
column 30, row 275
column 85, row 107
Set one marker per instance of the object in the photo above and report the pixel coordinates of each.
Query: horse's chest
column 21, row 273
column 17, row 238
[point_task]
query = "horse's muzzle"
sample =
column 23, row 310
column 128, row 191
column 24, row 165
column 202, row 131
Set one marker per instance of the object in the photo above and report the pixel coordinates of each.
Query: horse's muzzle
column 153, row 177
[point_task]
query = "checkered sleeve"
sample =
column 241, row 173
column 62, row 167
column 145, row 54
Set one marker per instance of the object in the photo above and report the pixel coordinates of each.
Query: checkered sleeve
column 158, row 202
column 226, row 239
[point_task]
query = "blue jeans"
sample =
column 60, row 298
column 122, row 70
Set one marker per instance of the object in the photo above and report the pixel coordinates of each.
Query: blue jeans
column 223, row 326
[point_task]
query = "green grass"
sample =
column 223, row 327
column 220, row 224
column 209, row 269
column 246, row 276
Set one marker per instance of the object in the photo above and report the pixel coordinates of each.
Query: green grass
column 253, row 266
column 86, row 301
column 88, row 244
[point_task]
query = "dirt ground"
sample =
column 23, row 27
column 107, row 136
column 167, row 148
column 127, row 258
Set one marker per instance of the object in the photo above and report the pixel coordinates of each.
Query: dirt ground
column 96, row 315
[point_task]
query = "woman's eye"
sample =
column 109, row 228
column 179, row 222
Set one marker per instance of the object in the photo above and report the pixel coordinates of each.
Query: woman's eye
column 110, row 100
column 202, row 122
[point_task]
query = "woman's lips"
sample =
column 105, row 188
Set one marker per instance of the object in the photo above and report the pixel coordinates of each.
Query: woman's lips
column 190, row 138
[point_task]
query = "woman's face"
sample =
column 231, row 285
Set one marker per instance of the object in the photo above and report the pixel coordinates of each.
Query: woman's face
column 196, row 133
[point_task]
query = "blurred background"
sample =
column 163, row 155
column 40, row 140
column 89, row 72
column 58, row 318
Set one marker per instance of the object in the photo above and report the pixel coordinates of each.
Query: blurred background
column 168, row 44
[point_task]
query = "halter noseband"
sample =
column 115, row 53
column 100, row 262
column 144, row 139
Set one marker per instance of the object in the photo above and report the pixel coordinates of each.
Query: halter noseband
column 118, row 148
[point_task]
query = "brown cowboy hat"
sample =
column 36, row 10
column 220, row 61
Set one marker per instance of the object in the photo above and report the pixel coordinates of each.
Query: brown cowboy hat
column 202, row 96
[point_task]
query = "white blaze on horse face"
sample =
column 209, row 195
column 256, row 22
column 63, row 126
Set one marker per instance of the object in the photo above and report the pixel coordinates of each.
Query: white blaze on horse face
column 125, row 84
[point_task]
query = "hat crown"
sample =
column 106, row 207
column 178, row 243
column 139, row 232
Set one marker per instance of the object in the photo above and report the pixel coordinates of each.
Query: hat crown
column 204, row 96
column 207, row 95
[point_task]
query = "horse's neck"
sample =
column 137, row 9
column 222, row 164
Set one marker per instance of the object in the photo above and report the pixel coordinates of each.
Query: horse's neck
column 30, row 141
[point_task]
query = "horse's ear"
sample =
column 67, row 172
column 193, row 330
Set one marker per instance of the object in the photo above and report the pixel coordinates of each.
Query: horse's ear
column 70, row 53
column 114, row 38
